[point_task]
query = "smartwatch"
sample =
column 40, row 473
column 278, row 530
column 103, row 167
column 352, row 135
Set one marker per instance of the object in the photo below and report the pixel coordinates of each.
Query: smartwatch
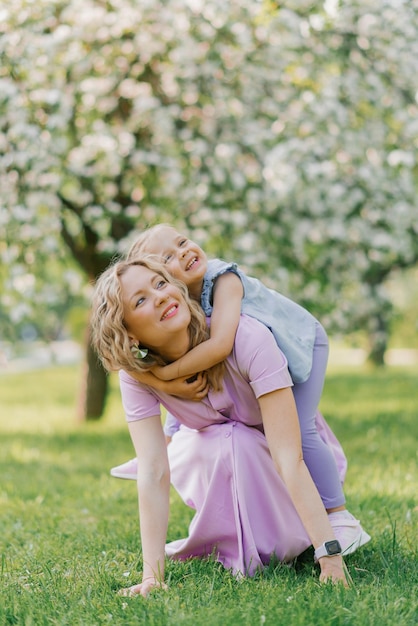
column 328, row 548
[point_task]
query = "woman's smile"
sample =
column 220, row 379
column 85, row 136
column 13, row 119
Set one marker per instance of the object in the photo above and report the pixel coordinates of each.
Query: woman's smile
column 170, row 311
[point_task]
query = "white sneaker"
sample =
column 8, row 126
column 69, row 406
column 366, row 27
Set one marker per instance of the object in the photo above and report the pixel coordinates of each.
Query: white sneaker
column 348, row 531
column 126, row 470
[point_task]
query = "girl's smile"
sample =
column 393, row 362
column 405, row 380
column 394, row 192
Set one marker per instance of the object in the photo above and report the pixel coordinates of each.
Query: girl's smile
column 184, row 259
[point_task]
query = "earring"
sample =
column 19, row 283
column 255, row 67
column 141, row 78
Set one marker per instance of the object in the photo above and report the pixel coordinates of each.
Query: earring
column 139, row 353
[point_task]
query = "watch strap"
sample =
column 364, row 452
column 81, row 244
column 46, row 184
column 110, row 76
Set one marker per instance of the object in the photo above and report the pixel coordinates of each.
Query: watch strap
column 328, row 548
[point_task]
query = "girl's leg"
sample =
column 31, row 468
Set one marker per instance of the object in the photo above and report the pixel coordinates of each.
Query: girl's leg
column 317, row 455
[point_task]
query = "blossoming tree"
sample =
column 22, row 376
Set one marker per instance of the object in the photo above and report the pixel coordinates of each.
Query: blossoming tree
column 282, row 134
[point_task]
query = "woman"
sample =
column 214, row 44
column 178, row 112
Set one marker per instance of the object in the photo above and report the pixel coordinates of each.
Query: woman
column 252, row 492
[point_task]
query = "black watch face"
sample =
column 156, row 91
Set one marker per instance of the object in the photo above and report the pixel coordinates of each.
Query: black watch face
column 333, row 547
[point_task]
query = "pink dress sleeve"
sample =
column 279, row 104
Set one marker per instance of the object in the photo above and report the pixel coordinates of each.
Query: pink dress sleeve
column 261, row 361
column 138, row 400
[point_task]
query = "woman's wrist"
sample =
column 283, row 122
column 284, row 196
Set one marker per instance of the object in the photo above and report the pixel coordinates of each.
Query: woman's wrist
column 337, row 558
column 328, row 563
column 158, row 578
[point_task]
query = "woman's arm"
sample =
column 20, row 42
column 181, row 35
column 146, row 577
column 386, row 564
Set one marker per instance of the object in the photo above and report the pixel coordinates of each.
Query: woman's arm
column 227, row 297
column 153, row 482
column 281, row 427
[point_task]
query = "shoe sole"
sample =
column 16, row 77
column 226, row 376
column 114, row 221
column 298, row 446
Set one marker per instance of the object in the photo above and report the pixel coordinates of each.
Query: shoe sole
column 124, row 476
column 358, row 543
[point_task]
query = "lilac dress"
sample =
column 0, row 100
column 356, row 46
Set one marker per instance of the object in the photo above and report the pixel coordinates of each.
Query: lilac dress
column 220, row 463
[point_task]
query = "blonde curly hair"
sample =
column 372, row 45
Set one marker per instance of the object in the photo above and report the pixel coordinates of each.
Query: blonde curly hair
column 141, row 245
column 109, row 334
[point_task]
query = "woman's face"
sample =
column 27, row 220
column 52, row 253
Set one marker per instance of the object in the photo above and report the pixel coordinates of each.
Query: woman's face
column 155, row 312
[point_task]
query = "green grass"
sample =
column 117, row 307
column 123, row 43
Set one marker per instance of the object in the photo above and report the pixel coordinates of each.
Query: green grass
column 69, row 532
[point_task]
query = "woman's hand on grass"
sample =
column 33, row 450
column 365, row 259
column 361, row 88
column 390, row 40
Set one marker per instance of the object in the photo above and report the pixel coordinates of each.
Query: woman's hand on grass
column 143, row 589
column 333, row 570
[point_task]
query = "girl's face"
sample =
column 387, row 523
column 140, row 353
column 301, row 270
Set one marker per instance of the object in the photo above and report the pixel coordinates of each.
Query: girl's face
column 184, row 259
column 155, row 312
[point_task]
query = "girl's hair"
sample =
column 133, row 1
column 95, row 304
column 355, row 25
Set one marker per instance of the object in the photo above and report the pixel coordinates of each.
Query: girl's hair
column 140, row 245
column 109, row 334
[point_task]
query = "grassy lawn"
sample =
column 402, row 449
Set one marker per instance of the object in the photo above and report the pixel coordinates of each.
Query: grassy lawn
column 69, row 532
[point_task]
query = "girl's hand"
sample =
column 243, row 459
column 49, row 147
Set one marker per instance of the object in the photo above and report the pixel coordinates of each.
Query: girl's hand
column 333, row 570
column 143, row 589
column 190, row 389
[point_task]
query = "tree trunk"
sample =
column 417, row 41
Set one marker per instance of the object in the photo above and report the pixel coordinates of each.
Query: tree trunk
column 378, row 339
column 94, row 385
column 85, row 250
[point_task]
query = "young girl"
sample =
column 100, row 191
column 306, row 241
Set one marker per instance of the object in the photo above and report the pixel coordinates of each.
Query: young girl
column 224, row 292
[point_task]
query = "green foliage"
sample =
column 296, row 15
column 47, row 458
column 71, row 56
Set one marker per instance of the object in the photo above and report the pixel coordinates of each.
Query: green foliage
column 69, row 532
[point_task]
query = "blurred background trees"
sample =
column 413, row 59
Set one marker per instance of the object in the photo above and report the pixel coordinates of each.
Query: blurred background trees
column 281, row 135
